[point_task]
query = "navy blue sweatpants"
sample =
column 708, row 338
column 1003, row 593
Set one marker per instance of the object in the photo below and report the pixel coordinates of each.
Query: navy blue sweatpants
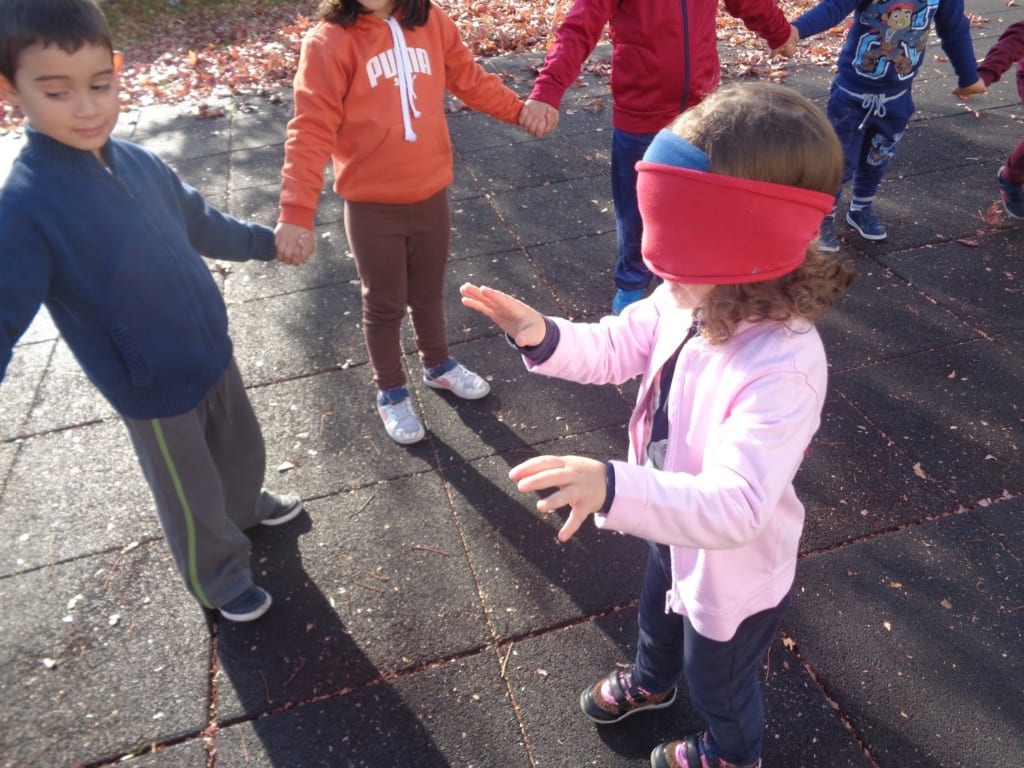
column 869, row 136
column 722, row 677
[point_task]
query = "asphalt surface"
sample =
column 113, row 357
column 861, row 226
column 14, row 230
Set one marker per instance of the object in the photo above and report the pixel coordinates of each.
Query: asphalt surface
column 424, row 614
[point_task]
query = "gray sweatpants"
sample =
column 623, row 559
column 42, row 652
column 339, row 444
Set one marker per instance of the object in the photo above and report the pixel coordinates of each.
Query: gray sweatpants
column 205, row 470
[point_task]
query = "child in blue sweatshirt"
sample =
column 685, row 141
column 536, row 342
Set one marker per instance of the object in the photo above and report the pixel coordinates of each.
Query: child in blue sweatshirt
column 107, row 237
column 870, row 102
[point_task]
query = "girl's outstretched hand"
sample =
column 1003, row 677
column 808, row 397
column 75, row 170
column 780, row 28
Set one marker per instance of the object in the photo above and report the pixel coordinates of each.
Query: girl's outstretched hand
column 580, row 483
column 520, row 321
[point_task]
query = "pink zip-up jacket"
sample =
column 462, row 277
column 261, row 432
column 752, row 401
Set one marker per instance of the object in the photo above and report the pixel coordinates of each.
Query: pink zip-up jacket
column 741, row 416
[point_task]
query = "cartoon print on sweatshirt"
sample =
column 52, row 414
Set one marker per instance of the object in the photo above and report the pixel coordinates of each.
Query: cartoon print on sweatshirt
column 897, row 33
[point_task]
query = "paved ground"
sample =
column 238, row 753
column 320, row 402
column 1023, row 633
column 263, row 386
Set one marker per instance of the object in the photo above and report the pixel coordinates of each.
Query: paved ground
column 424, row 615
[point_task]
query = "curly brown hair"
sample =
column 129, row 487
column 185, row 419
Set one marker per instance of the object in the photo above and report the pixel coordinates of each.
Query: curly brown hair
column 767, row 132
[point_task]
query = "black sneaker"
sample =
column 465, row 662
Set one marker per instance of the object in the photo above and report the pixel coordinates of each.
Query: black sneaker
column 828, row 242
column 248, row 606
column 615, row 697
column 689, row 753
column 286, row 508
column 1012, row 194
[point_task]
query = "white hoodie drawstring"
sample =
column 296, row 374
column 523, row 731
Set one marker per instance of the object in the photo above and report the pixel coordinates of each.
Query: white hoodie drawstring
column 873, row 103
column 405, row 84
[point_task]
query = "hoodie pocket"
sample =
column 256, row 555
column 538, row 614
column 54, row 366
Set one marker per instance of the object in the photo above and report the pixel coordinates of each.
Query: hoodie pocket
column 135, row 364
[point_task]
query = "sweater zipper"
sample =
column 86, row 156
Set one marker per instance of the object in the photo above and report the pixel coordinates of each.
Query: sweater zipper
column 686, row 57
column 186, row 284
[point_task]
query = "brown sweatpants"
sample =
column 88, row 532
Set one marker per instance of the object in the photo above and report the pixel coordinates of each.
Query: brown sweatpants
column 401, row 252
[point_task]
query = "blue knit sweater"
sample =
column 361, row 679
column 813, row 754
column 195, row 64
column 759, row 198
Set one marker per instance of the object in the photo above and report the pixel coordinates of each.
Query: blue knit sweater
column 114, row 254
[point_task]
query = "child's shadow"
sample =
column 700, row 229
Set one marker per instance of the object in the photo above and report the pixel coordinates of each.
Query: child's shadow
column 296, row 687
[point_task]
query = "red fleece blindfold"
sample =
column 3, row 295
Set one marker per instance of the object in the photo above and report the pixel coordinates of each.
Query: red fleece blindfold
column 707, row 228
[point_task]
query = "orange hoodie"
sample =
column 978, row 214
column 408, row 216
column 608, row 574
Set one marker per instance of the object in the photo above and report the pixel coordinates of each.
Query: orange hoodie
column 382, row 125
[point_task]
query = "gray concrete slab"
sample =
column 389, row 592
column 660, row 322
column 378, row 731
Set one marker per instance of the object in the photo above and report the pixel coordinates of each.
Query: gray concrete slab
column 103, row 655
column 73, row 493
column 916, row 637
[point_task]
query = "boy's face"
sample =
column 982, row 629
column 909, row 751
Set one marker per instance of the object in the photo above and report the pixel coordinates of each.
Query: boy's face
column 70, row 97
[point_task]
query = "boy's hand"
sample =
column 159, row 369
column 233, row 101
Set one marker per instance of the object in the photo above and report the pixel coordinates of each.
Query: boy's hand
column 970, row 90
column 295, row 244
column 520, row 321
column 538, row 118
column 580, row 483
column 788, row 48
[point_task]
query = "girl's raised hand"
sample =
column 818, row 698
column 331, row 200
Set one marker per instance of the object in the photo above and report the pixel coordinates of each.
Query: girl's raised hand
column 580, row 483
column 520, row 321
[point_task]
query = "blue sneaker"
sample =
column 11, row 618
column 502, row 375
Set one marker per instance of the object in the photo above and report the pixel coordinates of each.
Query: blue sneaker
column 828, row 242
column 623, row 299
column 248, row 606
column 1013, row 195
column 867, row 223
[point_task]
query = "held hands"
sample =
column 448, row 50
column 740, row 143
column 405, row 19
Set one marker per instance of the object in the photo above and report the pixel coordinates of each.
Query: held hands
column 580, row 483
column 524, row 325
column 788, row 48
column 970, row 90
column 537, row 118
column 295, row 244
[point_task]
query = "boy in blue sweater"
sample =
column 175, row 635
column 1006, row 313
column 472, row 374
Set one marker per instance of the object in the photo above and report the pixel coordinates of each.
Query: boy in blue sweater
column 870, row 103
column 107, row 237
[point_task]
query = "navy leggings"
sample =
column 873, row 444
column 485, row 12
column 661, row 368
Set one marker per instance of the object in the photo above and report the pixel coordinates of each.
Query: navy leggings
column 722, row 677
column 869, row 140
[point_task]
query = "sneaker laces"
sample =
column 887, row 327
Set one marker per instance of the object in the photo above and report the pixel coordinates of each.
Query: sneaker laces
column 460, row 380
column 400, row 417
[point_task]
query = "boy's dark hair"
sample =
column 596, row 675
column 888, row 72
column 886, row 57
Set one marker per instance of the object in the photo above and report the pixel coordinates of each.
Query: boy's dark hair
column 412, row 13
column 68, row 24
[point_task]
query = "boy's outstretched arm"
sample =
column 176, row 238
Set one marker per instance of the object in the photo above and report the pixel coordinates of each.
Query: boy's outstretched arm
column 524, row 325
column 581, row 484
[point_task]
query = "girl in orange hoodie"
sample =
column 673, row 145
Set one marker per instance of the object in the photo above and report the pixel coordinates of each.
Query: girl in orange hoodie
column 369, row 95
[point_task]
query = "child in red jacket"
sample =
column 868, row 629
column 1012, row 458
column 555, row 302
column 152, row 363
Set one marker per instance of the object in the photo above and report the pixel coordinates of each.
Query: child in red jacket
column 1009, row 48
column 664, row 60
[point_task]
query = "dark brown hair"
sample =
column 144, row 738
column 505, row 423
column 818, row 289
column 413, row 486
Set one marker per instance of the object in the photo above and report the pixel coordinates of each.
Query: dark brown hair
column 68, row 24
column 411, row 13
column 767, row 132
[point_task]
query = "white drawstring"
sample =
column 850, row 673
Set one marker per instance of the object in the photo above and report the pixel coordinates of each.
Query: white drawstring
column 405, row 84
column 874, row 103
